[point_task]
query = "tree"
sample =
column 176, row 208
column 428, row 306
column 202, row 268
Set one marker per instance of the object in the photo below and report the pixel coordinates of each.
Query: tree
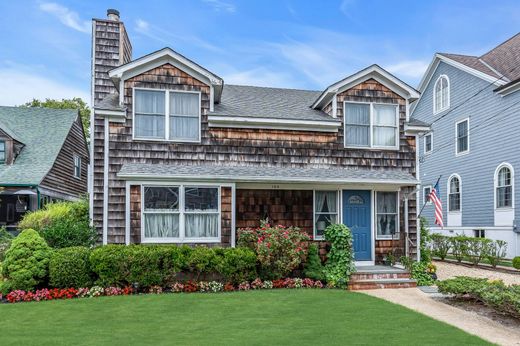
column 75, row 103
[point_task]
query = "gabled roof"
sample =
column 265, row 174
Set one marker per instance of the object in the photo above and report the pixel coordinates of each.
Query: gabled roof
column 43, row 132
column 505, row 58
column 163, row 56
column 264, row 102
column 373, row 71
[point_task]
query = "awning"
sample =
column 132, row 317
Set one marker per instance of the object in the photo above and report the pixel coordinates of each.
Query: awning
column 18, row 192
column 330, row 175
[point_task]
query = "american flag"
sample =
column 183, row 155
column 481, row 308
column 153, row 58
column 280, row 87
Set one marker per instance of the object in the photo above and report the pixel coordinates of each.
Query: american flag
column 435, row 197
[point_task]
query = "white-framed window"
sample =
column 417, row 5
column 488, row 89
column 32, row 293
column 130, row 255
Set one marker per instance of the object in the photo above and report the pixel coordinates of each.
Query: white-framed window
column 325, row 211
column 479, row 233
column 77, row 166
column 462, row 137
column 170, row 115
column 371, row 125
column 441, row 94
column 454, row 194
column 2, row 152
column 426, row 194
column 428, row 142
column 504, row 186
column 387, row 215
column 180, row 213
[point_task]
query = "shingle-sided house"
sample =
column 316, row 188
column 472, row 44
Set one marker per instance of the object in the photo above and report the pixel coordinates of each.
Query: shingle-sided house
column 472, row 104
column 43, row 158
column 180, row 157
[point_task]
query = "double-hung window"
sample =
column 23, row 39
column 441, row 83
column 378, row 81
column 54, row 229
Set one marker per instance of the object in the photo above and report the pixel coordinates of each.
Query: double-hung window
column 386, row 215
column 2, row 152
column 369, row 125
column 426, row 194
column 504, row 188
column 77, row 166
column 441, row 94
column 181, row 214
column 454, row 194
column 428, row 143
column 462, row 136
column 167, row 115
column 325, row 211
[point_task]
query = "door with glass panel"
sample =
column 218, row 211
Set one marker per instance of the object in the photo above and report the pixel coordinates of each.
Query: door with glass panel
column 357, row 217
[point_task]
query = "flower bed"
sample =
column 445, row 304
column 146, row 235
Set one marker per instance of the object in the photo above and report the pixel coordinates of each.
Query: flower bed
column 19, row 296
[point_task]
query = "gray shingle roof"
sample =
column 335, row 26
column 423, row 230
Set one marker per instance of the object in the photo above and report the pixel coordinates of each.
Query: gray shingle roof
column 263, row 102
column 505, row 58
column 43, row 132
column 110, row 102
column 416, row 122
column 265, row 174
column 473, row 62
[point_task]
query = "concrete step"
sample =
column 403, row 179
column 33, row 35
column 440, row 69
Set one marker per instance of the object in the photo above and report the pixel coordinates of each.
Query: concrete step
column 370, row 284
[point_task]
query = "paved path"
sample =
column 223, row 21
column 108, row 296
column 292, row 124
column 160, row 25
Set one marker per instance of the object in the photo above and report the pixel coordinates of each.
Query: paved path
column 470, row 322
column 447, row 270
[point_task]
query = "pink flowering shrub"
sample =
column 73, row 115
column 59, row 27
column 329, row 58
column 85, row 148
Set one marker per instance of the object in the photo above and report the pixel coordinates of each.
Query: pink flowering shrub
column 155, row 289
column 257, row 284
column 113, row 291
column 177, row 287
column 244, row 286
column 279, row 249
column 318, row 284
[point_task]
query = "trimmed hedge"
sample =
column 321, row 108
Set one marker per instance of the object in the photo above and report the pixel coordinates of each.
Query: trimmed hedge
column 70, row 267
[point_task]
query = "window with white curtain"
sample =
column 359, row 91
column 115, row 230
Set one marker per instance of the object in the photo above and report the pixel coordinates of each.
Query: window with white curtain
column 181, row 214
column 325, row 211
column 441, row 94
column 182, row 108
column 371, row 125
column 386, row 215
column 504, row 188
column 454, row 194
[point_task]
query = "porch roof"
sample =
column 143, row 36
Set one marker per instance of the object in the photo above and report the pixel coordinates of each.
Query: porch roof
column 330, row 175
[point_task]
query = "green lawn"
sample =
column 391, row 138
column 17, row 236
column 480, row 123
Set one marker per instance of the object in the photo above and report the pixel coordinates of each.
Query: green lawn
column 275, row 317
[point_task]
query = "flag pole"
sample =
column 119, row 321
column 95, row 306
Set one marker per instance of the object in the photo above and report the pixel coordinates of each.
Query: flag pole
column 424, row 204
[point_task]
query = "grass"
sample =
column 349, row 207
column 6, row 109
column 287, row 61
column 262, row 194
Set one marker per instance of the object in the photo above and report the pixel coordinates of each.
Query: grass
column 288, row 317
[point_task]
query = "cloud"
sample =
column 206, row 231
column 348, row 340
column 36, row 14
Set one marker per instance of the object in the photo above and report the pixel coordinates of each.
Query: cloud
column 260, row 77
column 66, row 16
column 412, row 68
column 221, row 6
column 20, row 86
column 141, row 25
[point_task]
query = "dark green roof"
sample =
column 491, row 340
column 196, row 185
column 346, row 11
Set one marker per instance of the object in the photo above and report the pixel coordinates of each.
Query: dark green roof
column 42, row 131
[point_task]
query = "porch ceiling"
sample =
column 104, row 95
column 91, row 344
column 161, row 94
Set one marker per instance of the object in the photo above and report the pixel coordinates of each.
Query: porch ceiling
column 331, row 175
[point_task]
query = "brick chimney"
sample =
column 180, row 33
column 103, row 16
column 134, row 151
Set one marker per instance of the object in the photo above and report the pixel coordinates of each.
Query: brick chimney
column 110, row 48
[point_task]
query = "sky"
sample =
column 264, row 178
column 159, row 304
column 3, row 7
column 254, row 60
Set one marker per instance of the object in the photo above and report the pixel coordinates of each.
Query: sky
column 45, row 46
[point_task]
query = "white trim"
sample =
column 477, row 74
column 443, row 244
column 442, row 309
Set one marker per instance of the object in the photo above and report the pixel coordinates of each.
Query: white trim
column 447, row 106
column 335, row 106
column 166, row 116
column 504, row 216
column 397, row 234
column 454, row 217
column 105, row 180
column 470, row 228
column 423, row 198
column 512, row 170
column 375, row 72
column 233, row 215
column 74, row 157
column 510, row 89
column 182, row 213
column 424, row 143
column 127, row 212
column 112, row 113
column 371, row 135
column 414, row 129
column 90, row 184
column 314, row 235
column 457, row 153
column 272, row 123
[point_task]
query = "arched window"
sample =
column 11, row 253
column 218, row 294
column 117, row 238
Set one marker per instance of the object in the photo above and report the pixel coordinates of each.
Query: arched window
column 441, row 94
column 504, row 186
column 454, row 194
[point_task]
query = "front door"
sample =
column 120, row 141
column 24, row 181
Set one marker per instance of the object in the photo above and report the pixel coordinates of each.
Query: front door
column 357, row 217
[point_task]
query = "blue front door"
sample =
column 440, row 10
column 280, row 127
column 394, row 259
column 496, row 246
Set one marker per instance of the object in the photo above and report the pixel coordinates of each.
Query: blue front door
column 357, row 217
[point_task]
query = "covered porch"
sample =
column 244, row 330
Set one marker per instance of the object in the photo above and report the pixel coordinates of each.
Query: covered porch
column 15, row 201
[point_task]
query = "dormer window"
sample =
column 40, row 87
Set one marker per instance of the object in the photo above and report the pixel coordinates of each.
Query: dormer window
column 441, row 94
column 2, row 152
column 182, row 123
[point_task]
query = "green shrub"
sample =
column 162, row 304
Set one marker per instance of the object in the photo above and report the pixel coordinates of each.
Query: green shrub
column 477, row 249
column 462, row 285
column 496, row 252
column 202, row 262
column 314, row 269
column 516, row 262
column 62, row 224
column 441, row 245
column 5, row 241
column 70, row 267
column 236, row 265
column 426, row 254
column 421, row 273
column 340, row 259
column 459, row 246
column 26, row 262
column 174, row 261
column 279, row 250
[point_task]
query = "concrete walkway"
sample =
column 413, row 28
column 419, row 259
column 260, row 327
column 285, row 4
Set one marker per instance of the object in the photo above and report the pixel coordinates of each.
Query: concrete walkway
column 470, row 322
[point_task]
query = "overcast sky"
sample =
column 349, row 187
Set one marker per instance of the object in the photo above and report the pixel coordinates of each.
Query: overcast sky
column 45, row 46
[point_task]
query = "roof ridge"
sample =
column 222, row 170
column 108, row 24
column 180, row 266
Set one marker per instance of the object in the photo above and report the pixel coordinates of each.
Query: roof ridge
column 471, row 56
column 271, row 87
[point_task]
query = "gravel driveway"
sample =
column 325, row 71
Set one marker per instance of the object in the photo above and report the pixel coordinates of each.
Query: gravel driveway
column 447, row 270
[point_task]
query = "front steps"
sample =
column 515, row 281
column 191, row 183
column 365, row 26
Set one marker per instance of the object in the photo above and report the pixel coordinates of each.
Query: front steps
column 377, row 277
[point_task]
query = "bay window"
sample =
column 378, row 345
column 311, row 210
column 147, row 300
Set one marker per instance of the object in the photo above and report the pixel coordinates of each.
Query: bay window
column 369, row 125
column 325, row 211
column 182, row 122
column 386, row 215
column 181, row 214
